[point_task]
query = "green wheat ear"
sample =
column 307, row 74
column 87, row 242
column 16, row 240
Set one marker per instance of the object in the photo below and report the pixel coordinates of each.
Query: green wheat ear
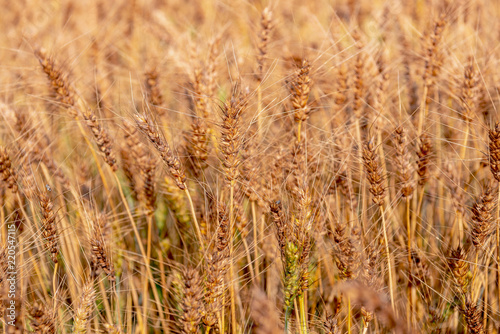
column 292, row 275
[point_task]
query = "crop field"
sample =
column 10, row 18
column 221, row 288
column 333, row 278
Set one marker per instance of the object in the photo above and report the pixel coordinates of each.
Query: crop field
column 261, row 166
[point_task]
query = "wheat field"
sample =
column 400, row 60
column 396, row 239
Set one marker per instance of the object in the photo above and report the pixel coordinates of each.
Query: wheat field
column 259, row 166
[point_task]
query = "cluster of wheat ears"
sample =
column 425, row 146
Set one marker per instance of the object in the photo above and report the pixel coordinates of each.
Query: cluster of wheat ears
column 250, row 166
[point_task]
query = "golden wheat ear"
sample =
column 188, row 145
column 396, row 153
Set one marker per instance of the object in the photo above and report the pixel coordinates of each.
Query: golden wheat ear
column 7, row 172
column 403, row 162
column 482, row 222
column 197, row 146
column 459, row 267
column 148, row 173
column 216, row 267
column 43, row 320
column 101, row 137
column 58, row 81
column 300, row 88
column 331, row 325
column 468, row 96
column 373, row 172
column 424, row 158
column 494, row 151
column 146, row 125
column 49, row 226
column 101, row 256
column 153, row 88
column 192, row 307
column 85, row 308
column 266, row 26
column 231, row 140
column 473, row 317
